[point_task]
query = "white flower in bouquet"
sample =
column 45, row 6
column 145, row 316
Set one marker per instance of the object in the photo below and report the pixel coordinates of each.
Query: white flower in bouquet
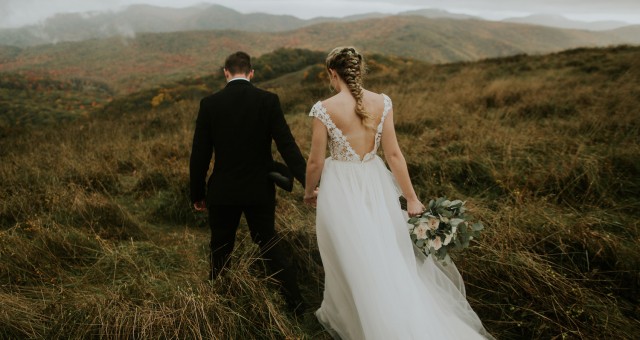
column 437, row 243
column 420, row 231
column 433, row 223
column 447, row 239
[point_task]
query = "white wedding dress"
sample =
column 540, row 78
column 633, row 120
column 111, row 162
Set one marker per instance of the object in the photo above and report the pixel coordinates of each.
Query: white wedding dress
column 376, row 285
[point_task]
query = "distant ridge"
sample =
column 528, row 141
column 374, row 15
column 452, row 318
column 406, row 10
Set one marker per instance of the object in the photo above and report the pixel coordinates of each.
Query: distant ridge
column 630, row 34
column 156, row 57
column 439, row 13
column 145, row 19
column 137, row 19
column 560, row 21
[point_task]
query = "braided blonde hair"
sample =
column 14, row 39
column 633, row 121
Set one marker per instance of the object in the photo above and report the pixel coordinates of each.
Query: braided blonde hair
column 350, row 66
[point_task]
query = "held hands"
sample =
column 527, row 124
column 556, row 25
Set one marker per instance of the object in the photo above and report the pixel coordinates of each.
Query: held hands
column 311, row 199
column 200, row 206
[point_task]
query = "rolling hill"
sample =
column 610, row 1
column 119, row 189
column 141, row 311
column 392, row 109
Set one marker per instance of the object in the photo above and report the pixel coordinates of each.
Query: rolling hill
column 138, row 19
column 144, row 19
column 129, row 64
column 628, row 33
column 560, row 21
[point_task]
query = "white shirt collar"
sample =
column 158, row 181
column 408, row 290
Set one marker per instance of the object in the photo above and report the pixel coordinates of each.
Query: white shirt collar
column 238, row 78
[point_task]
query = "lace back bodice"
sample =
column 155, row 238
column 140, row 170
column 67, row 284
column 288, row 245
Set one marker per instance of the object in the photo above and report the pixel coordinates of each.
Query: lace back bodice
column 339, row 146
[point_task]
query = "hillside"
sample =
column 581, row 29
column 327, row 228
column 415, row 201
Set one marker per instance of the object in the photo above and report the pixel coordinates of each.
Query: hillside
column 560, row 21
column 629, row 33
column 98, row 239
column 136, row 19
column 33, row 98
column 129, row 64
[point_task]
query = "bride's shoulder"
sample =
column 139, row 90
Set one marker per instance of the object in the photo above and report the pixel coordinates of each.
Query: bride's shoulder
column 332, row 100
column 375, row 96
column 376, row 102
column 332, row 104
column 319, row 108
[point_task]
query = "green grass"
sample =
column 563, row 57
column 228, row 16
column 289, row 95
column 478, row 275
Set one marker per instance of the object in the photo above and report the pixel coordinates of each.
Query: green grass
column 98, row 239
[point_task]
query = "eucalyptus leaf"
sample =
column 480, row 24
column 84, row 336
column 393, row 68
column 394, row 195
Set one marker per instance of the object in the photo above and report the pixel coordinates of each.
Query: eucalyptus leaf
column 463, row 228
column 457, row 204
column 455, row 222
column 446, row 260
column 478, row 226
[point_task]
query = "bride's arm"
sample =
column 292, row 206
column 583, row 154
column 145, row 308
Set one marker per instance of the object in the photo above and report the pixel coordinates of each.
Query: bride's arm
column 398, row 165
column 316, row 159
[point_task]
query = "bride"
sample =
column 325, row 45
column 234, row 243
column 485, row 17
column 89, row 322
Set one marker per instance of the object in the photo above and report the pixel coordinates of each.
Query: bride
column 376, row 285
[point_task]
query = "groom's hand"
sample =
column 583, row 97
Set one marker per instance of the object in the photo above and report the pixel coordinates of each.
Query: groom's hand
column 200, row 206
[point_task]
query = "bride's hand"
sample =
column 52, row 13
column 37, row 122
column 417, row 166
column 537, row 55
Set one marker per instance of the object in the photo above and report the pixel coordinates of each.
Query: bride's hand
column 415, row 207
column 311, row 199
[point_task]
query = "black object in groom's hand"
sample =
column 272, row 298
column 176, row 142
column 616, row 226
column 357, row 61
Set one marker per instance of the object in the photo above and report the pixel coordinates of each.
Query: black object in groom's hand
column 281, row 176
column 403, row 203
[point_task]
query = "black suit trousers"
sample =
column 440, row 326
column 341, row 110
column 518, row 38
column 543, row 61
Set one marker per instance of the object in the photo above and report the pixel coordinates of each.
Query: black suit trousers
column 224, row 221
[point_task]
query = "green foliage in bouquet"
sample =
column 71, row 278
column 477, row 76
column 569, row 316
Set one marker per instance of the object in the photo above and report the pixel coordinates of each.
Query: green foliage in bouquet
column 443, row 227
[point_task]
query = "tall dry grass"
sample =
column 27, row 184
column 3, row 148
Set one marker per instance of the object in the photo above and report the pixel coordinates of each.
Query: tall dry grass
column 546, row 148
column 97, row 237
column 99, row 240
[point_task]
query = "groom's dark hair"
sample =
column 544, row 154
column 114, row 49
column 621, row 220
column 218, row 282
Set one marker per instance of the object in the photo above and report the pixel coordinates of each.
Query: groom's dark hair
column 238, row 62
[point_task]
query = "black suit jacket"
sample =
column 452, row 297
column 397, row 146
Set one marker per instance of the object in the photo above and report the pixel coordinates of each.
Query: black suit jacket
column 237, row 125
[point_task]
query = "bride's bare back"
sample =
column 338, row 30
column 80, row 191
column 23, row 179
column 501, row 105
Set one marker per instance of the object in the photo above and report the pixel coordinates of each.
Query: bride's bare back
column 345, row 66
column 341, row 109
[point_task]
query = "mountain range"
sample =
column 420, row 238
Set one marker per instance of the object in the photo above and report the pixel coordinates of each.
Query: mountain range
column 138, row 19
column 127, row 64
column 559, row 21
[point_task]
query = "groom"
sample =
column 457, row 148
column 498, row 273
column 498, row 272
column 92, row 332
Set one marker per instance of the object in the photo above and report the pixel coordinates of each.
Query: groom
column 237, row 124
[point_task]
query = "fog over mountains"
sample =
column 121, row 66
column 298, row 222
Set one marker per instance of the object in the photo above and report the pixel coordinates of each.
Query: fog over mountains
column 153, row 19
column 562, row 22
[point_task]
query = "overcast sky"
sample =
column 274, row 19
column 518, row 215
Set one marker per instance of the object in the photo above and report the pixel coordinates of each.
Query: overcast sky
column 21, row 12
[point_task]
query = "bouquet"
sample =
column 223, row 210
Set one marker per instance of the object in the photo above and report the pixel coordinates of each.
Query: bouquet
column 443, row 227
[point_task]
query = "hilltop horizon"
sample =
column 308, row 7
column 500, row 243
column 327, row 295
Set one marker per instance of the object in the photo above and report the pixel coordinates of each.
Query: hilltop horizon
column 539, row 17
column 142, row 18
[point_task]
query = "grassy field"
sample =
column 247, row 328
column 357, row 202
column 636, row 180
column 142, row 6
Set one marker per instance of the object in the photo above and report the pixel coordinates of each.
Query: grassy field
column 98, row 239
